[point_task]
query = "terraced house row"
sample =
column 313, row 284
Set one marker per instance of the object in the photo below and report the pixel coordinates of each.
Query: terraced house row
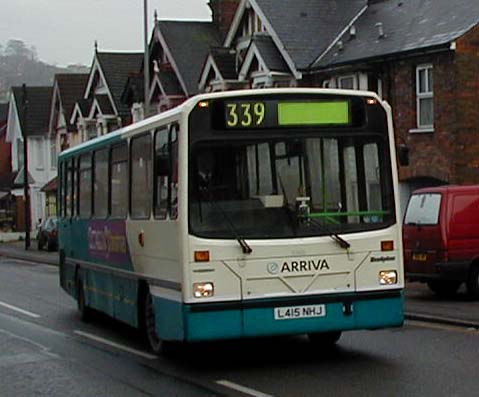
column 422, row 56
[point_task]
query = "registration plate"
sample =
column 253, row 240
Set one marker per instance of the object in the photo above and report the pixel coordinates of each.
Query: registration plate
column 293, row 312
column 419, row 257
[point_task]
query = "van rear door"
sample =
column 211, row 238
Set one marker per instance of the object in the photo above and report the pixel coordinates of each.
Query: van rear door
column 422, row 237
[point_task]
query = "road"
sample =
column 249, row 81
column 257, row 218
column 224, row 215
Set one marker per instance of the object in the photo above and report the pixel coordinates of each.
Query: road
column 47, row 350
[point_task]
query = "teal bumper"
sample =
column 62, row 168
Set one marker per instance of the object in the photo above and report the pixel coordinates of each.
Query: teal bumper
column 256, row 318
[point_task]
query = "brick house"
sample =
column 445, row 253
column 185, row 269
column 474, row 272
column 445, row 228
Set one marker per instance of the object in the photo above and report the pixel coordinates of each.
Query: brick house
column 422, row 56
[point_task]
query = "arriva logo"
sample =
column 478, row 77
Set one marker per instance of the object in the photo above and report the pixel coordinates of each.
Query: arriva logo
column 304, row 266
column 297, row 266
column 273, row 268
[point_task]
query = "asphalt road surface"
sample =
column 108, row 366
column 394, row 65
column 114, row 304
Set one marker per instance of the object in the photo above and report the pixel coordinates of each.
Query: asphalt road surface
column 46, row 350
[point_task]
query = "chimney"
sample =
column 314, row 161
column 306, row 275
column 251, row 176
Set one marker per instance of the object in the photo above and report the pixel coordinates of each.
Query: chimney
column 352, row 32
column 379, row 25
column 223, row 12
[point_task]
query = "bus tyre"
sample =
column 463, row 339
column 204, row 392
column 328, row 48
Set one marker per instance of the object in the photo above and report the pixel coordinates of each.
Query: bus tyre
column 83, row 310
column 157, row 345
column 472, row 283
column 444, row 289
column 325, row 339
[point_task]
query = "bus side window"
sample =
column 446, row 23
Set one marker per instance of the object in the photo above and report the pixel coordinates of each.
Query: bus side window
column 162, row 172
column 118, row 181
column 61, row 201
column 69, row 188
column 85, row 180
column 141, row 177
column 166, row 173
column 100, row 184
column 173, row 138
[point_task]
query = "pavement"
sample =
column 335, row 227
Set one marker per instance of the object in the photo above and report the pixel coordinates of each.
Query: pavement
column 421, row 303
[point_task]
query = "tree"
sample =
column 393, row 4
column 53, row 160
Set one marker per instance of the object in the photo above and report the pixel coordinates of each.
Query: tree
column 17, row 48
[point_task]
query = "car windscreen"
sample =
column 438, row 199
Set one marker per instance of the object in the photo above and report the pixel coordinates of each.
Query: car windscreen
column 423, row 209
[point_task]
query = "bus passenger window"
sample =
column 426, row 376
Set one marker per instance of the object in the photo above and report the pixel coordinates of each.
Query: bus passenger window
column 141, row 177
column 100, row 186
column 85, row 180
column 166, row 174
column 69, row 188
column 118, row 181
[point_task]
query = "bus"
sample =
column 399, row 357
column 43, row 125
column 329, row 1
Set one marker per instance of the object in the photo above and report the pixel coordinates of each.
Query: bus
column 238, row 214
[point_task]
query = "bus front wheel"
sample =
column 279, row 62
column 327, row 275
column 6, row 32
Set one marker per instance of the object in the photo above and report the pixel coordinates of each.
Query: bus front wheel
column 157, row 345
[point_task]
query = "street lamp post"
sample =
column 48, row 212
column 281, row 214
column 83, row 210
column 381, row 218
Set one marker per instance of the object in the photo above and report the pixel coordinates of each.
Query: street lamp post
column 25, row 167
column 146, row 60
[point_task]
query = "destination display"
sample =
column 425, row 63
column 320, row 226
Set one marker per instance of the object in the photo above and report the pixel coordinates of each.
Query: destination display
column 249, row 114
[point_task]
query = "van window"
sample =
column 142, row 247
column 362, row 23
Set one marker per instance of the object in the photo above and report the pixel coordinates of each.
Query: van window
column 423, row 209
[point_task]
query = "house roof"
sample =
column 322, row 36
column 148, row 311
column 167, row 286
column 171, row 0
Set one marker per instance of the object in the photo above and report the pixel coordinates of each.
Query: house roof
column 50, row 186
column 134, row 90
column 408, row 25
column 104, row 104
column 170, row 83
column 71, row 88
column 116, row 67
column 38, row 109
column 306, row 27
column 3, row 112
column 269, row 52
column 189, row 43
column 225, row 59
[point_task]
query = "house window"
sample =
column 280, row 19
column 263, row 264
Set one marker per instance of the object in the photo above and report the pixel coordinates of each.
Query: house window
column 347, row 82
column 424, row 95
column 39, row 154
column 53, row 154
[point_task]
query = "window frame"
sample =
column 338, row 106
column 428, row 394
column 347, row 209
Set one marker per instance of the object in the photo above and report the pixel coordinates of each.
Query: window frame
column 427, row 94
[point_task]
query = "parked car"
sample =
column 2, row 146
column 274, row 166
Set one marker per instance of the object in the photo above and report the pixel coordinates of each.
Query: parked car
column 48, row 234
column 441, row 238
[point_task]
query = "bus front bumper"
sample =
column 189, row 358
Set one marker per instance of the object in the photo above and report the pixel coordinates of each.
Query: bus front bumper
column 301, row 315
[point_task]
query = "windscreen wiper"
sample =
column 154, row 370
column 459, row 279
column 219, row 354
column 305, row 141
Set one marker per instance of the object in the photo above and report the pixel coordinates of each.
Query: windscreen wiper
column 242, row 242
column 303, row 215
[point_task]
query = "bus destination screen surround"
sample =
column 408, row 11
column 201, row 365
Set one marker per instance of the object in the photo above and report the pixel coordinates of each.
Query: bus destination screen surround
column 244, row 114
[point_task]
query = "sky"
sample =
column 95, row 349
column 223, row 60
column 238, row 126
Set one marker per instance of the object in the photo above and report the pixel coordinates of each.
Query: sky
column 64, row 31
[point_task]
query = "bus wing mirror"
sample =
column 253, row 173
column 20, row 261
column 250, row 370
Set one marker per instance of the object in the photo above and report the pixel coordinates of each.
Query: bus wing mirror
column 403, row 155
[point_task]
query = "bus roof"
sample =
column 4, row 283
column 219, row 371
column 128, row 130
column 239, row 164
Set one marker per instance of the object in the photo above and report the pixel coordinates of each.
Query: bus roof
column 144, row 125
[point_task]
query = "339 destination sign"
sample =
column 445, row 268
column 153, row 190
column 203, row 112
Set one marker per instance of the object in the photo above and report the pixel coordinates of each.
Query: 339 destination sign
column 251, row 114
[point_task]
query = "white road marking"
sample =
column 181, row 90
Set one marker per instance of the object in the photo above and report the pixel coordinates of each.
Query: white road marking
column 116, row 345
column 444, row 327
column 17, row 309
column 242, row 389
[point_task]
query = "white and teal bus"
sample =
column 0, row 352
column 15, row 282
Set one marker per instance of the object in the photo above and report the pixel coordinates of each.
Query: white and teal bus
column 238, row 214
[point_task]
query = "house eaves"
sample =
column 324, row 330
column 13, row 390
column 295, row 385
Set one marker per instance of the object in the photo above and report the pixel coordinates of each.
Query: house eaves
column 390, row 28
column 269, row 28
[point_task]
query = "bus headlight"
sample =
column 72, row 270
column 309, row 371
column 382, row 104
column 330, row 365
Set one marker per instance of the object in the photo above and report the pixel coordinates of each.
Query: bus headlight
column 203, row 290
column 388, row 277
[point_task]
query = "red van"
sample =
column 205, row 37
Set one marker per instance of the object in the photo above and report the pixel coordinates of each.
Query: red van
column 441, row 238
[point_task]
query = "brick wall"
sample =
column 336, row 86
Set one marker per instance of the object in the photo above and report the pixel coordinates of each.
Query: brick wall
column 430, row 152
column 467, row 99
column 223, row 13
